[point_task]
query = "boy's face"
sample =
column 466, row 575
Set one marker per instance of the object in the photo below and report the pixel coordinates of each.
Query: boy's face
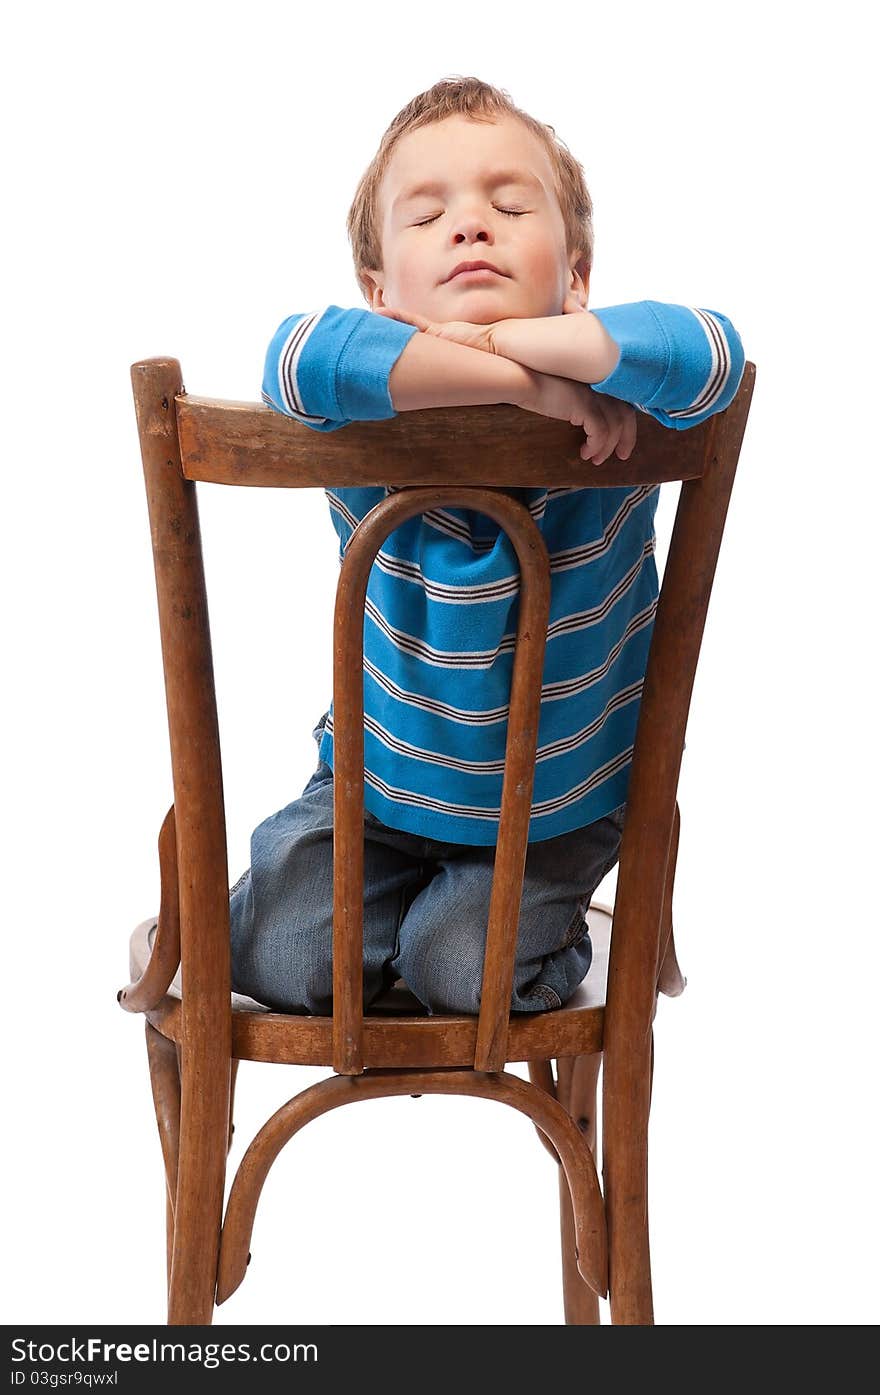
column 460, row 218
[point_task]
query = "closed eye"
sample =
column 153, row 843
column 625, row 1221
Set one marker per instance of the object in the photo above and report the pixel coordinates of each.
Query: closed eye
column 511, row 212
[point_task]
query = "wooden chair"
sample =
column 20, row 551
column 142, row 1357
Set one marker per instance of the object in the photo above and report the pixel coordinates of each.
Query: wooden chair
column 197, row 1032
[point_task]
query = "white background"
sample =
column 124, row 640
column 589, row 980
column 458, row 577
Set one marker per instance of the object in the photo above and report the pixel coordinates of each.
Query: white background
column 177, row 183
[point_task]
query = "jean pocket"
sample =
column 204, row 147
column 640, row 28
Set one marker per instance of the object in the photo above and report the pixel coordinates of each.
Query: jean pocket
column 578, row 927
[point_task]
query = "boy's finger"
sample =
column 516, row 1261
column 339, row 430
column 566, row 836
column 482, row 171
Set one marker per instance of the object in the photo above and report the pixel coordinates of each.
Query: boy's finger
column 610, row 436
column 406, row 317
column 419, row 321
column 596, row 442
column 602, row 455
column 627, row 443
column 601, row 427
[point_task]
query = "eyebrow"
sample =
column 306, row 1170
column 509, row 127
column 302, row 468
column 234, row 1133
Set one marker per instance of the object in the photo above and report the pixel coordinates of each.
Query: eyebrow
column 436, row 186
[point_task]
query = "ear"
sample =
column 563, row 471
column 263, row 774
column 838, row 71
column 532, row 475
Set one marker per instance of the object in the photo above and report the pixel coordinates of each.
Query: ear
column 578, row 292
column 371, row 283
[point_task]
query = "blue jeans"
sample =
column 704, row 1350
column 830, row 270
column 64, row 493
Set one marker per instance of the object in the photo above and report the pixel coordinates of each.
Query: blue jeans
column 426, row 909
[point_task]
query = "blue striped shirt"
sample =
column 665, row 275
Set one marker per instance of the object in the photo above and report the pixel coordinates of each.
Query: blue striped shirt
column 442, row 599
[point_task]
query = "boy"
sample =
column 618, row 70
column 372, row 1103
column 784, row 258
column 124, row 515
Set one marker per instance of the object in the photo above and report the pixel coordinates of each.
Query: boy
column 462, row 177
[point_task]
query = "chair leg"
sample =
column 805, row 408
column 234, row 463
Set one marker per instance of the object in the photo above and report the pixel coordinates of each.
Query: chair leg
column 198, row 1210
column 165, row 1084
column 169, row 1238
column 625, row 1177
column 576, row 1092
column 232, row 1078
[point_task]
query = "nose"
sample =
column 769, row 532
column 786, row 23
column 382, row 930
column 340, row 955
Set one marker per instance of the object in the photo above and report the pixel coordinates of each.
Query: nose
column 471, row 228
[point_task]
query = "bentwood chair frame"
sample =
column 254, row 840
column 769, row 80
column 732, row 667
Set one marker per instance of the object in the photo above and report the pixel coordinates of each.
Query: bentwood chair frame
column 197, row 1032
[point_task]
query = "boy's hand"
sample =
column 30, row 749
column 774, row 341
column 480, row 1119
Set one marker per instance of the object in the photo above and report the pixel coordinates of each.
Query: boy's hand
column 459, row 331
column 609, row 424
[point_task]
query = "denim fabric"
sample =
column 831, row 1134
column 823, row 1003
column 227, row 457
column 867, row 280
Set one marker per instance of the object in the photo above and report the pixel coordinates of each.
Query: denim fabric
column 426, row 909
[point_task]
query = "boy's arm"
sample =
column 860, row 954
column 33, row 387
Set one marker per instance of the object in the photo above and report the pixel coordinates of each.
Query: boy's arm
column 574, row 346
column 679, row 364
column 335, row 366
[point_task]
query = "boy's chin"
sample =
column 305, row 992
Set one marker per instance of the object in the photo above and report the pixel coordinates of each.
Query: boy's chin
column 480, row 308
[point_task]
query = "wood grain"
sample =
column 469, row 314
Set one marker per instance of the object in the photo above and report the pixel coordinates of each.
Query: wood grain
column 247, row 443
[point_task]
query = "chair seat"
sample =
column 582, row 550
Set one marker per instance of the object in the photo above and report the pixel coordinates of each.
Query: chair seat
column 398, row 1029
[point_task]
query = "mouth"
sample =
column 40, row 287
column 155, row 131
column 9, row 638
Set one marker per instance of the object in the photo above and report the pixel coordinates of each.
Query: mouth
column 469, row 270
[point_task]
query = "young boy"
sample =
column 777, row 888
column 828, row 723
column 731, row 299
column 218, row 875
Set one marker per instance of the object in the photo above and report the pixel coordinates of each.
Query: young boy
column 463, row 176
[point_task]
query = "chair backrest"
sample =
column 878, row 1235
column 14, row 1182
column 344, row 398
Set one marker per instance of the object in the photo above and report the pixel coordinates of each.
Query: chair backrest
column 433, row 458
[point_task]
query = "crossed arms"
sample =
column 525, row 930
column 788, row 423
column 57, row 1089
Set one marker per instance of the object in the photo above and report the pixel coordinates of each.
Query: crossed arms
column 542, row 364
column 677, row 363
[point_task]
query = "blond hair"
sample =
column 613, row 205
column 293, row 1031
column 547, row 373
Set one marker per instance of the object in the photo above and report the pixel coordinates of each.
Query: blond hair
column 479, row 101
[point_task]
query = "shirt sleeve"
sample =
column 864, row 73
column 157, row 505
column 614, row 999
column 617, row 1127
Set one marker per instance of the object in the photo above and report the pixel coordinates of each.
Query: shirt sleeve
column 331, row 367
column 678, row 364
